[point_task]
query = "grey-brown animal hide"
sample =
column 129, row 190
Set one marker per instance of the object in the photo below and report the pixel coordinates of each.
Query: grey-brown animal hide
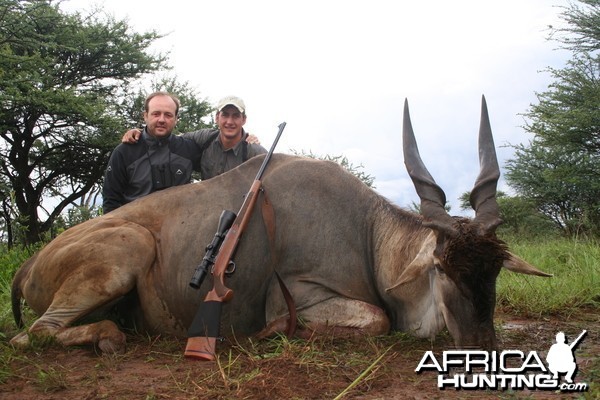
column 354, row 263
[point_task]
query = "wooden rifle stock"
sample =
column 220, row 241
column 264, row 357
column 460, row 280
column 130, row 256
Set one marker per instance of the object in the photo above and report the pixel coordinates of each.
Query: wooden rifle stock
column 204, row 330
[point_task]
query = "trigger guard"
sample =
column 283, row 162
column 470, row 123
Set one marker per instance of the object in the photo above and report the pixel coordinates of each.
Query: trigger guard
column 230, row 268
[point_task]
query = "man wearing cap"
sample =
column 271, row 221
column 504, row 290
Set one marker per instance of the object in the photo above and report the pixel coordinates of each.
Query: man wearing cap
column 224, row 148
column 227, row 147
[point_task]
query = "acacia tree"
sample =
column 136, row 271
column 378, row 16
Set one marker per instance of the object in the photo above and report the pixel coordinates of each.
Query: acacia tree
column 193, row 115
column 61, row 111
column 559, row 169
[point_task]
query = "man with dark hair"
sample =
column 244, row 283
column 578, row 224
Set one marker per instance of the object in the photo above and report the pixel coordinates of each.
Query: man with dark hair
column 157, row 161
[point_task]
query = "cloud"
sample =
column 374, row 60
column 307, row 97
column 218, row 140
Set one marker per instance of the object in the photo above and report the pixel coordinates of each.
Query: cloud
column 338, row 73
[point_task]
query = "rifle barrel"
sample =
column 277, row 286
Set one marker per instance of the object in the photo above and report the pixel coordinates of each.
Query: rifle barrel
column 270, row 153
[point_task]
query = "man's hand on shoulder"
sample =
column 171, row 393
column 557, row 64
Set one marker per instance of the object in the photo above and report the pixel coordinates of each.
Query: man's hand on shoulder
column 131, row 136
column 252, row 139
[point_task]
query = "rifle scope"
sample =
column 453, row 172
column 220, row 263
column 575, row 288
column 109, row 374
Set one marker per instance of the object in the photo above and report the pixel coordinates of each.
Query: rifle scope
column 225, row 221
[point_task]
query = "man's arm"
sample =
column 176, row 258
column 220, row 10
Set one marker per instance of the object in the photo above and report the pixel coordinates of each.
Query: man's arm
column 133, row 135
column 201, row 137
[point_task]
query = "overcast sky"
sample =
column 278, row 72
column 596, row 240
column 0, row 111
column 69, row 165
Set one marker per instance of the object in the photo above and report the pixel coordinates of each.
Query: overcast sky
column 338, row 73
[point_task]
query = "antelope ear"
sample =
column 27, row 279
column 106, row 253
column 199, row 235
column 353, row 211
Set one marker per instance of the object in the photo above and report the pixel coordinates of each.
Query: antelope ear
column 419, row 265
column 518, row 265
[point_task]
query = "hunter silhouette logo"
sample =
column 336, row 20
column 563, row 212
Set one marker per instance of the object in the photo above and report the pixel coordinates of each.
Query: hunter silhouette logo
column 560, row 357
column 508, row 369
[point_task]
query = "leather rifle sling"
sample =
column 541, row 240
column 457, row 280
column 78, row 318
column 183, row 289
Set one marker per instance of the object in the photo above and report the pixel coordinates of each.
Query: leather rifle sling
column 268, row 215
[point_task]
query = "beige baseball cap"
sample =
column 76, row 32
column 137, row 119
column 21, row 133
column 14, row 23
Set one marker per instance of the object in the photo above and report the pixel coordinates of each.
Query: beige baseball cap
column 232, row 100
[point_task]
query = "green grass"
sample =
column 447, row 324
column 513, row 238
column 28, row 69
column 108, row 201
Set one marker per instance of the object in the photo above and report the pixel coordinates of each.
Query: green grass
column 10, row 260
column 575, row 285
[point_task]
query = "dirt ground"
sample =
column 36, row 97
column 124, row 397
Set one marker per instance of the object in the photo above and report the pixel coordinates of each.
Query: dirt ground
column 384, row 368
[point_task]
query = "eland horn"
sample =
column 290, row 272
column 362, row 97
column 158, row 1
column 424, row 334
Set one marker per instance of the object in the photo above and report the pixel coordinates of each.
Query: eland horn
column 483, row 195
column 432, row 196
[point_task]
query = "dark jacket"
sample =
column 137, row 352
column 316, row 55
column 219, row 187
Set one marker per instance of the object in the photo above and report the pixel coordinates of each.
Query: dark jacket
column 151, row 164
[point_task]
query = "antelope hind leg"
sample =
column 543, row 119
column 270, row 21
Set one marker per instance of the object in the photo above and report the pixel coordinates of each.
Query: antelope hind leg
column 338, row 316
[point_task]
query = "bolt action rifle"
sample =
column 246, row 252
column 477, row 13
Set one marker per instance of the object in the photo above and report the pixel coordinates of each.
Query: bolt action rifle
column 204, row 330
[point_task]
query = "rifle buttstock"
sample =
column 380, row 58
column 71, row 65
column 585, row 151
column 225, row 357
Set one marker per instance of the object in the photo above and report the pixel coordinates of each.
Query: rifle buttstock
column 201, row 348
